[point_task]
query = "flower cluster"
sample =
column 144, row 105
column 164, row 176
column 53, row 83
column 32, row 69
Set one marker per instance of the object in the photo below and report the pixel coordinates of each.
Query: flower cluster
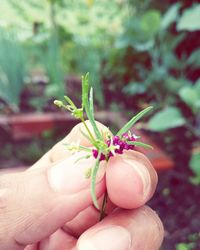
column 103, row 148
column 116, row 145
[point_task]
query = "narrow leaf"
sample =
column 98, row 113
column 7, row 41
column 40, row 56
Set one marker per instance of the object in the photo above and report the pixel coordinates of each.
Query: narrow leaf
column 88, row 105
column 93, row 181
column 140, row 144
column 129, row 124
column 85, row 149
column 91, row 101
column 84, row 134
column 81, row 158
column 70, row 101
column 85, row 89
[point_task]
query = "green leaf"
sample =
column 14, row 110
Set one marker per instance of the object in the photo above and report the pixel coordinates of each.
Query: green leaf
column 170, row 117
column 140, row 144
column 194, row 59
column 189, row 95
column 70, row 101
column 85, row 89
column 134, row 88
column 150, row 22
column 195, row 163
column 185, row 246
column 170, row 16
column 129, row 124
column 91, row 101
column 190, row 20
column 93, row 180
column 88, row 105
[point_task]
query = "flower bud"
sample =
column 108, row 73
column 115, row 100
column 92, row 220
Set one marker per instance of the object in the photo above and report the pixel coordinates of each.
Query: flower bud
column 58, row 103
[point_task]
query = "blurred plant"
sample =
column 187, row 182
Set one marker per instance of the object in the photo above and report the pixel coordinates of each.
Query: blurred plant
column 12, row 69
column 52, row 63
column 185, row 246
column 149, row 61
column 195, row 166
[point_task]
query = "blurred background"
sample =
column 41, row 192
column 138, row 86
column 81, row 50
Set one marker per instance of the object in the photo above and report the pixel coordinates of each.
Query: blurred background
column 139, row 53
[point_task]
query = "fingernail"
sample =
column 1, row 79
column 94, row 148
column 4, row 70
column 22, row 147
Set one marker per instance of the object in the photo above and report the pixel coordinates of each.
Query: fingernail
column 143, row 173
column 109, row 238
column 68, row 176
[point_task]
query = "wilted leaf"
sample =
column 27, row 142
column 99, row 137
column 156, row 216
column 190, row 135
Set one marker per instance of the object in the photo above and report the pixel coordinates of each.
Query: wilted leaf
column 170, row 117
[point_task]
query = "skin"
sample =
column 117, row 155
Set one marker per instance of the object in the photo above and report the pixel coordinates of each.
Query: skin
column 49, row 206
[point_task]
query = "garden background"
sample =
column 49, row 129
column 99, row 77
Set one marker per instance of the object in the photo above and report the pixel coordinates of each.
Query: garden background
column 139, row 53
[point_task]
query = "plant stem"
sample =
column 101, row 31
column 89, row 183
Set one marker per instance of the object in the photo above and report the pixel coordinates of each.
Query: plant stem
column 103, row 207
column 90, row 134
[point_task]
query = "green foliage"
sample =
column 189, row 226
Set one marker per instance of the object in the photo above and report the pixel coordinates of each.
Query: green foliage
column 140, row 31
column 195, row 167
column 87, row 104
column 185, row 246
column 135, row 118
column 12, row 68
column 168, row 118
column 170, row 16
column 190, row 19
column 191, row 96
column 194, row 59
column 52, row 63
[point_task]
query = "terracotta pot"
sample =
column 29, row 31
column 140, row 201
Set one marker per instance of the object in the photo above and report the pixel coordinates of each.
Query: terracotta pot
column 22, row 126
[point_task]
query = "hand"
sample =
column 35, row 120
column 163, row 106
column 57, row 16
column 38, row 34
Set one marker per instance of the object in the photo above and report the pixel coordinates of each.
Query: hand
column 49, row 206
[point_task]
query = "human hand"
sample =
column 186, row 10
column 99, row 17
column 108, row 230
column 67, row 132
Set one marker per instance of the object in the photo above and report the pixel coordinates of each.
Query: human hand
column 49, row 206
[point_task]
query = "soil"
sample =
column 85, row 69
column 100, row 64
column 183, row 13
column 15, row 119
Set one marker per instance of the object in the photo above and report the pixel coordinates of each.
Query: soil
column 177, row 203
column 177, row 200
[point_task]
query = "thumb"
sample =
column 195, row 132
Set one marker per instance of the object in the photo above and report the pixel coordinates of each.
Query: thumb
column 35, row 203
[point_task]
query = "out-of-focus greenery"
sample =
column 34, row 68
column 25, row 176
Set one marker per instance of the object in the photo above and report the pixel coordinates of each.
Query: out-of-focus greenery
column 83, row 32
column 12, row 68
column 144, row 50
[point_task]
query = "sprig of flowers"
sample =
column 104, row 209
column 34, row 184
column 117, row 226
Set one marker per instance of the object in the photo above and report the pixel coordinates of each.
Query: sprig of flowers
column 104, row 145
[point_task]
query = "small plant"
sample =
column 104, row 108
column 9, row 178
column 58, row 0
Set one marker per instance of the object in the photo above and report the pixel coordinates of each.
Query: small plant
column 104, row 144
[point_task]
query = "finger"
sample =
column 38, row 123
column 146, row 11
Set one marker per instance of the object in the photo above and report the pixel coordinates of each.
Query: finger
column 58, row 241
column 130, row 179
column 86, row 219
column 60, row 152
column 125, row 230
column 41, row 200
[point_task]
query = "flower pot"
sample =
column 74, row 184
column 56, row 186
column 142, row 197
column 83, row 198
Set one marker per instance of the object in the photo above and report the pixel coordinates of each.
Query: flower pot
column 24, row 126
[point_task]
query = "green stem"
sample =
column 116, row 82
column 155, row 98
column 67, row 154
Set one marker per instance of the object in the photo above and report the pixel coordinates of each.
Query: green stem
column 103, row 207
column 90, row 134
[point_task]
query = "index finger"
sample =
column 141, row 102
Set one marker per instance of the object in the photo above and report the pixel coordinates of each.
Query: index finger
column 59, row 151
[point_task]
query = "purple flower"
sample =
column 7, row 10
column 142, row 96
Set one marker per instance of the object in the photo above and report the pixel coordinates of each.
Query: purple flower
column 95, row 154
column 121, row 144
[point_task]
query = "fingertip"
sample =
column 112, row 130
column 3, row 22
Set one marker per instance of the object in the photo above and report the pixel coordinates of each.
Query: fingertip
column 130, row 183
